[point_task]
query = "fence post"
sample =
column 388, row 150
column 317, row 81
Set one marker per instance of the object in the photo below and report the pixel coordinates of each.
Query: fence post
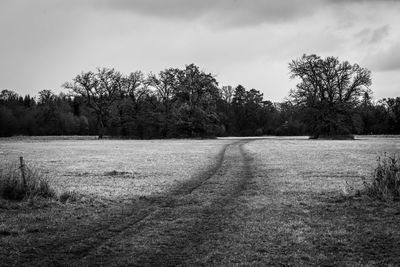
column 22, row 167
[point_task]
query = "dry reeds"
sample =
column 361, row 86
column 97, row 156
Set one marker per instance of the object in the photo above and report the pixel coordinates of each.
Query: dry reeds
column 27, row 183
column 385, row 184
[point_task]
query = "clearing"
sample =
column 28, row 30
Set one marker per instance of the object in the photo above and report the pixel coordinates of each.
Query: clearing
column 269, row 201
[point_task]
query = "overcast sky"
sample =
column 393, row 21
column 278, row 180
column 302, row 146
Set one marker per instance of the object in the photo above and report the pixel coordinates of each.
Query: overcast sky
column 47, row 42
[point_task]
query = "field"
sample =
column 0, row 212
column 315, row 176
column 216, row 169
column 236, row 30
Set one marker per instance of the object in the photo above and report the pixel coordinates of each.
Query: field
column 268, row 201
column 114, row 170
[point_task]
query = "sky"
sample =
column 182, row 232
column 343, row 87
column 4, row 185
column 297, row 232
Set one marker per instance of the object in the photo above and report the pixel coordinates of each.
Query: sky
column 45, row 43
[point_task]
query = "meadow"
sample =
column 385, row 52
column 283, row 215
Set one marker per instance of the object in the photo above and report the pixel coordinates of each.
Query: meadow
column 113, row 170
column 301, row 207
column 230, row 201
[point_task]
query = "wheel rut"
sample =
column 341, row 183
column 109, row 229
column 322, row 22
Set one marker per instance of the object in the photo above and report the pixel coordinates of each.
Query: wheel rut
column 173, row 234
column 165, row 229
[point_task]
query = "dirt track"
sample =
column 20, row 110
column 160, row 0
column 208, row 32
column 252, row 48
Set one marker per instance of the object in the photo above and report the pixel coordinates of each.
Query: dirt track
column 167, row 229
column 284, row 207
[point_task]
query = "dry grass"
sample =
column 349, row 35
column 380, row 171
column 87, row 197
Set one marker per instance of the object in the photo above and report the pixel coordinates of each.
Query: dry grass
column 298, row 209
column 19, row 183
column 97, row 181
column 385, row 183
column 114, row 170
column 290, row 202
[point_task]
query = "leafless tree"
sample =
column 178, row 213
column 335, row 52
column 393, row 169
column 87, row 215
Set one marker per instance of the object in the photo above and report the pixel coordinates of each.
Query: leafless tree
column 329, row 89
column 99, row 89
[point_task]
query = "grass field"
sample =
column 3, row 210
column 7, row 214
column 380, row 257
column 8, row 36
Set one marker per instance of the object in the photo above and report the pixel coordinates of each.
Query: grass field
column 297, row 209
column 271, row 201
column 113, row 169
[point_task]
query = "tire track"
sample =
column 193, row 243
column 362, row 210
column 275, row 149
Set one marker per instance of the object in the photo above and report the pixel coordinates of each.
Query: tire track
column 72, row 249
column 173, row 235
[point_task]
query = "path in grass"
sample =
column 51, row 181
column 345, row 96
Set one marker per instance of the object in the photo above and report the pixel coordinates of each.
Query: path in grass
column 180, row 222
column 173, row 228
column 279, row 209
column 282, row 206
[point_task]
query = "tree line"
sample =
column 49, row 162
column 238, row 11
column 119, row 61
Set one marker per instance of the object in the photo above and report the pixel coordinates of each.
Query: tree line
column 189, row 103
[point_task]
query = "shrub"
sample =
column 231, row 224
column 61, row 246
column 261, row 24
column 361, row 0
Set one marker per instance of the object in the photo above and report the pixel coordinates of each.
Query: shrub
column 385, row 184
column 14, row 187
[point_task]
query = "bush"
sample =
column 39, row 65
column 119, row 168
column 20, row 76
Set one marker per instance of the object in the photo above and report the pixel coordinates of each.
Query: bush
column 386, row 179
column 13, row 186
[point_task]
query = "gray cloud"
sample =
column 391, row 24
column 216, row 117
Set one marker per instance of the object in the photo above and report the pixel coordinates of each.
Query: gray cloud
column 230, row 13
column 386, row 60
column 226, row 12
column 363, row 34
column 369, row 36
column 362, row 1
column 379, row 34
column 49, row 41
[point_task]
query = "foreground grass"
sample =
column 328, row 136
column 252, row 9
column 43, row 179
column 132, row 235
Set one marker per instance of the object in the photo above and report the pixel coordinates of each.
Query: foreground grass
column 113, row 170
column 100, row 182
column 279, row 202
column 23, row 183
column 297, row 209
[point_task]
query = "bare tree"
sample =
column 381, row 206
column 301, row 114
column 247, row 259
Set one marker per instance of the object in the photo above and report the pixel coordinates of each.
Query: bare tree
column 134, row 85
column 8, row 95
column 329, row 90
column 226, row 93
column 166, row 86
column 46, row 96
column 99, row 89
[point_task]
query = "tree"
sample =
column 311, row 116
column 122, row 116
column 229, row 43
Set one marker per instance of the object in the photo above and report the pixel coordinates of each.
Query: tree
column 8, row 96
column 8, row 122
column 328, row 90
column 197, row 95
column 128, row 109
column 226, row 93
column 250, row 111
column 166, row 86
column 393, row 114
column 100, row 90
column 46, row 96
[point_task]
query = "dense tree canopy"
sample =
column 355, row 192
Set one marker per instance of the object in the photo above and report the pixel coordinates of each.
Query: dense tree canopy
column 188, row 103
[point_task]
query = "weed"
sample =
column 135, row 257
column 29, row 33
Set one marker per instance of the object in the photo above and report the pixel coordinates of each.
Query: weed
column 385, row 183
column 17, row 186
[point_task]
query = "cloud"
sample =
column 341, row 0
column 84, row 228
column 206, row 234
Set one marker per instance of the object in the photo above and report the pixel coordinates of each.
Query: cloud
column 369, row 36
column 362, row 1
column 386, row 60
column 363, row 34
column 379, row 34
column 242, row 13
column 224, row 12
